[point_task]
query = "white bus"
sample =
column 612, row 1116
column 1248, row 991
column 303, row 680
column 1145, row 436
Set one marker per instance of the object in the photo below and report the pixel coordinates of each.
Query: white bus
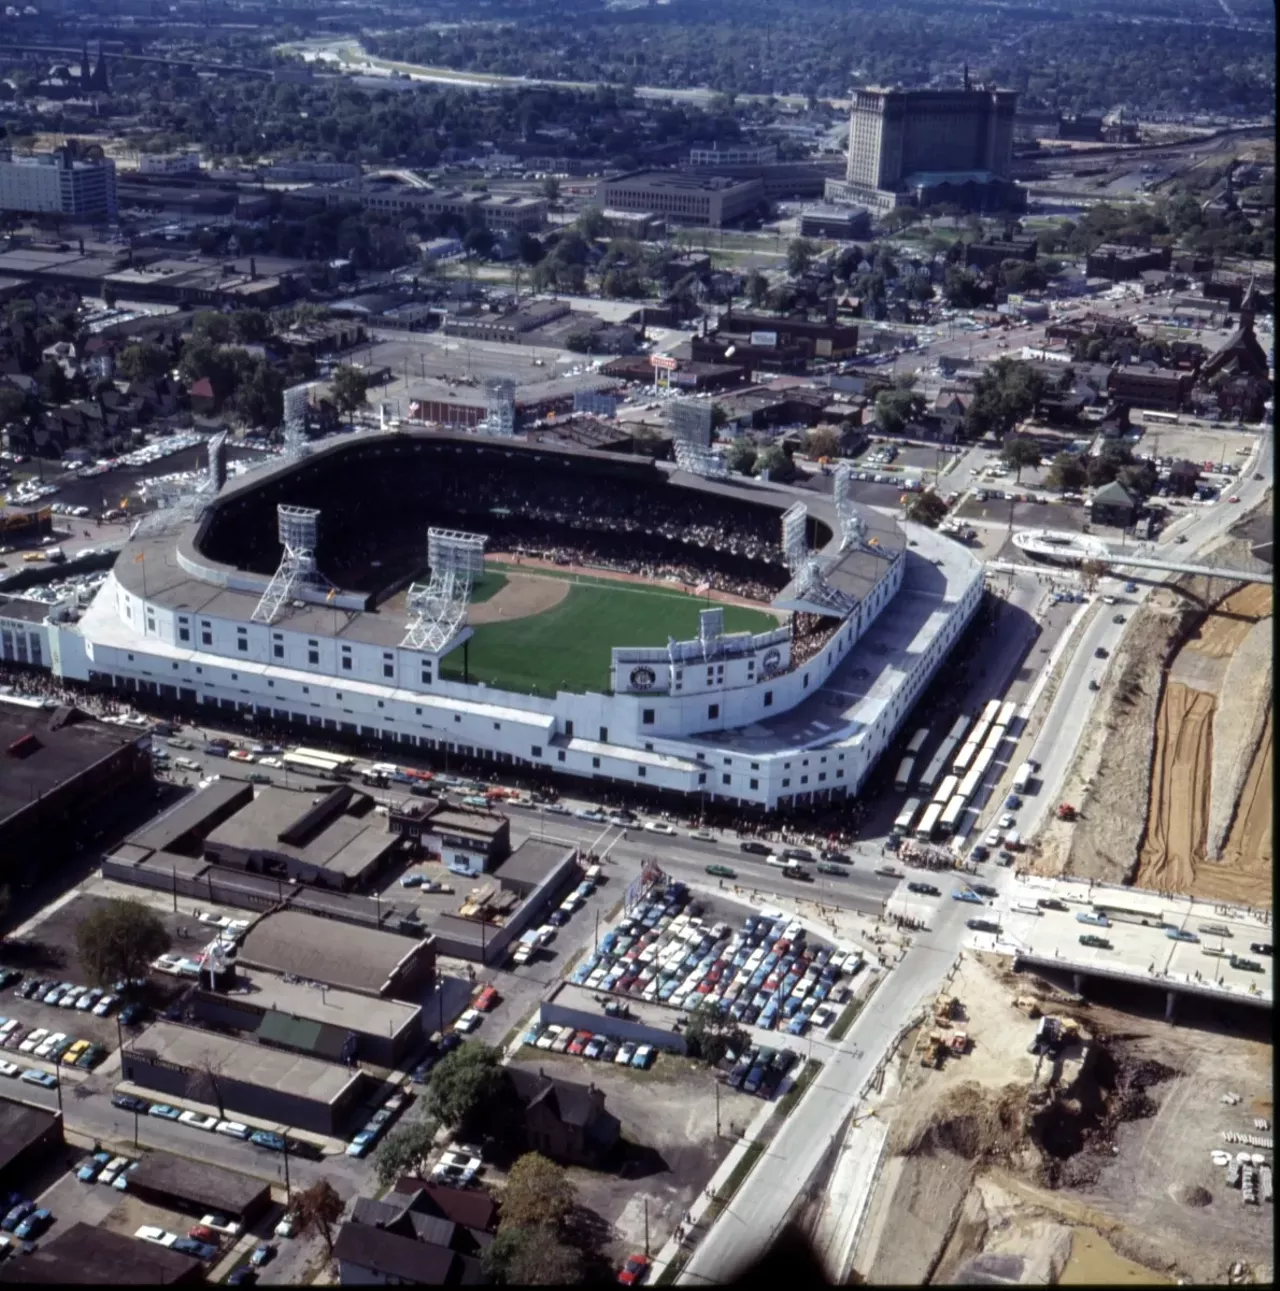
column 929, row 821
column 917, row 741
column 958, row 728
column 907, row 816
column 1160, row 418
column 950, row 818
column 995, row 738
column 946, row 790
column 305, row 765
column 934, row 772
column 982, row 762
column 990, row 711
column 1026, row 907
column 969, row 785
column 1022, row 780
column 319, row 755
column 906, row 773
column 964, row 759
column 1008, row 711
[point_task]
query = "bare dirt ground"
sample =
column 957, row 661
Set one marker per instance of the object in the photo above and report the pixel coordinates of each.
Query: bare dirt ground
column 1109, row 1181
column 1187, row 765
column 523, row 596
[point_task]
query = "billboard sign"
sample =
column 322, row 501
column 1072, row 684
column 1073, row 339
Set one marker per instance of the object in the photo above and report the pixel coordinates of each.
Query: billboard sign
column 663, row 362
column 766, row 340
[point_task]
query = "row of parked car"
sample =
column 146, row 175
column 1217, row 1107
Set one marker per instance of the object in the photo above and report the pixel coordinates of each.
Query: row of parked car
column 764, row 975
column 25, row 1220
column 199, row 1121
column 377, row 1123
column 760, row 1070
column 63, row 995
column 583, row 1044
column 52, row 1046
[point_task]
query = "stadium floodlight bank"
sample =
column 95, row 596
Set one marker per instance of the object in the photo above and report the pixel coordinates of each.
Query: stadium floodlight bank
column 297, row 578
column 438, row 609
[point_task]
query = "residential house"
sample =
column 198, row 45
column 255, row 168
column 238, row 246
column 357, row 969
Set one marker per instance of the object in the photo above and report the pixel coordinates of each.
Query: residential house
column 418, row 1234
column 202, row 396
column 1113, row 505
column 948, row 411
column 565, row 1120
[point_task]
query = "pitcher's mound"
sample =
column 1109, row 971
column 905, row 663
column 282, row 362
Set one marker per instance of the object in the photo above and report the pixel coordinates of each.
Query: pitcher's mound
column 523, row 596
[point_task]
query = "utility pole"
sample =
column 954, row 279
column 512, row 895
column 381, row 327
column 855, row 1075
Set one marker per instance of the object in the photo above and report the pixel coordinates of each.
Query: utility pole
column 287, row 1189
column 718, row 1107
column 646, row 1227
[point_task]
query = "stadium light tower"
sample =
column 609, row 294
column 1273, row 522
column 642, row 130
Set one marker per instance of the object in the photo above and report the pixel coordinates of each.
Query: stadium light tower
column 438, row 609
column 795, row 540
column 299, row 527
column 853, row 528
column 499, row 407
column 295, row 423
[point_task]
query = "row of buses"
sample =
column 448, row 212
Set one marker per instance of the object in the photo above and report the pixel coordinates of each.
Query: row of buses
column 952, row 776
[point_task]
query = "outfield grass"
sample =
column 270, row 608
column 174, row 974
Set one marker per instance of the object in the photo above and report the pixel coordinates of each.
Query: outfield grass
column 488, row 587
column 567, row 647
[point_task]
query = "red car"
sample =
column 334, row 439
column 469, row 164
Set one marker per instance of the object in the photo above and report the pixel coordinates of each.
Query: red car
column 634, row 1271
column 579, row 1042
column 487, row 999
column 202, row 1234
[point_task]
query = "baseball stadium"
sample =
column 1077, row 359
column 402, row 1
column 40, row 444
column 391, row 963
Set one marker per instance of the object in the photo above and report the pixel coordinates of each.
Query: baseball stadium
column 596, row 615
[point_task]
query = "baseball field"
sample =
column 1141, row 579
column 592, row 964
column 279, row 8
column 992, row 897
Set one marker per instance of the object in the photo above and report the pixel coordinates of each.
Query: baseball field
column 539, row 633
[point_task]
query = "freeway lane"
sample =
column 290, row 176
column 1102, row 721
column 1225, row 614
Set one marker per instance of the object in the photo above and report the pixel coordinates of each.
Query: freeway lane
column 761, row 1205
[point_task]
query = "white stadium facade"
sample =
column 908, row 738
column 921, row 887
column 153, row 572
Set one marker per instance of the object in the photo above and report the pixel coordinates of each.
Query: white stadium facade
column 207, row 612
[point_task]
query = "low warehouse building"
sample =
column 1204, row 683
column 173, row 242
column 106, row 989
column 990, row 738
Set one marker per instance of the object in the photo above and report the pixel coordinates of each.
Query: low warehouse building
column 83, row 1255
column 573, row 1006
column 198, row 1188
column 268, row 1084
column 367, row 961
column 28, row 1136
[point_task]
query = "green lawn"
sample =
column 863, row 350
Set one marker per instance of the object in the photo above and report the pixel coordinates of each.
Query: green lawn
column 567, row 648
column 488, row 587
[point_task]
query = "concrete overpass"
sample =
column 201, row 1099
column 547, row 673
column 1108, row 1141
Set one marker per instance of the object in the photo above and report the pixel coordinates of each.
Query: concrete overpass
column 1182, row 567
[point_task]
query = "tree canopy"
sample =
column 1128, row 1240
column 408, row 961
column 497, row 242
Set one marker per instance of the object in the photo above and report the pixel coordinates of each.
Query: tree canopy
column 710, row 1034
column 1005, row 394
column 538, row 1192
column 405, row 1150
column 469, row 1088
column 350, row 387
column 119, row 938
column 926, row 508
column 1019, row 452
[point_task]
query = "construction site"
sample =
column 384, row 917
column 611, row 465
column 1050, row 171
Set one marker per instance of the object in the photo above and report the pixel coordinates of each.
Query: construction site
column 1023, row 1134
column 1184, row 727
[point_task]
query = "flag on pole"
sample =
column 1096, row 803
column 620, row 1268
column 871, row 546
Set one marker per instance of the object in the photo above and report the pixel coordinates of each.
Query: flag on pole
column 333, row 591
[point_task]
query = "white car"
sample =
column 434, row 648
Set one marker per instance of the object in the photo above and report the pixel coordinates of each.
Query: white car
column 546, row 934
column 659, row 827
column 104, row 1006
column 35, row 1038
column 8, row 1068
column 167, row 964
column 456, row 1168
column 1007, row 821
column 469, row 1020
column 232, row 1129
column 548, row 1037
column 221, row 1224
column 277, row 764
column 992, row 838
column 150, row 1233
column 625, row 1054
column 197, row 1121
column 111, row 1169
column 47, row 1045
column 69, row 998
column 288, row 1225
column 9, row 1026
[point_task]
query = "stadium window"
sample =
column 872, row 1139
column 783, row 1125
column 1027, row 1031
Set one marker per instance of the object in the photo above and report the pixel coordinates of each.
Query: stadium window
column 175, row 667
column 277, row 649
column 418, row 711
column 804, row 779
column 768, row 699
column 568, row 728
column 131, row 658
column 647, row 716
column 755, row 766
column 560, row 755
column 242, row 645
column 306, row 690
column 702, row 779
column 713, row 711
column 426, row 681
column 388, row 670
column 234, row 676
column 595, row 762
column 786, row 784
column 313, row 657
column 381, row 704
column 339, row 694
column 206, row 637
column 536, row 751
column 726, row 778
column 640, row 771
column 839, row 775
column 755, row 784
column 822, row 775
column 184, row 634
column 497, row 726
column 457, row 717
column 271, row 685
column 806, row 681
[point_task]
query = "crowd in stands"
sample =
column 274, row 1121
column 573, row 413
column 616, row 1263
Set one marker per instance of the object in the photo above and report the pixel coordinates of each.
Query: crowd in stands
column 634, row 522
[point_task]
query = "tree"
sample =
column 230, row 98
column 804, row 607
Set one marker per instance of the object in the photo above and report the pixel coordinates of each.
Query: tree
column 209, row 325
column 926, row 508
column 250, row 326
column 1090, row 572
column 119, row 939
column 350, row 387
column 318, row 1209
column 12, row 404
column 405, row 1151
column 710, row 1034
column 1020, row 451
column 740, row 456
column 1067, row 473
column 897, row 408
column 799, row 256
column 1005, row 394
column 532, row 1256
column 551, row 188
column 143, row 362
column 961, row 288
column 204, row 1085
column 757, row 288
column 467, row 1087
column 479, row 242
column 822, row 441
column 538, row 1192
column 593, row 224
column 719, row 418
column 773, row 461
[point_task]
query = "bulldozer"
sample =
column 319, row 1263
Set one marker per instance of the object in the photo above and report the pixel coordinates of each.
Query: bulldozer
column 944, row 1009
column 959, row 1043
column 1027, row 1004
column 935, row 1047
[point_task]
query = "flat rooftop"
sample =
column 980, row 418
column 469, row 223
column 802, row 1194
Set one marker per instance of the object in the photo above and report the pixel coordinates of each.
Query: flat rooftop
column 289, row 1073
column 325, row 950
column 571, row 996
column 64, row 743
column 359, row 1013
column 533, row 860
column 1142, row 953
column 226, row 1191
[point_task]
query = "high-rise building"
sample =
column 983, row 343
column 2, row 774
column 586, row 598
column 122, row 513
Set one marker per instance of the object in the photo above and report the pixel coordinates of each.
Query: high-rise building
column 924, row 147
column 59, row 183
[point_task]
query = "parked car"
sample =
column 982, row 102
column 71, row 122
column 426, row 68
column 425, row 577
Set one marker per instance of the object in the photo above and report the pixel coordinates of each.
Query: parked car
column 262, row 1254
column 34, row 1076
column 92, row 1167
column 129, row 1103
column 197, row 1121
column 634, row 1271
column 468, row 1021
column 33, row 1225
column 164, row 1112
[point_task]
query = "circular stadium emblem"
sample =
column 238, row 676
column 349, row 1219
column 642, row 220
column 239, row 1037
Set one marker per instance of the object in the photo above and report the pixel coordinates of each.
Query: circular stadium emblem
column 772, row 661
column 643, row 678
